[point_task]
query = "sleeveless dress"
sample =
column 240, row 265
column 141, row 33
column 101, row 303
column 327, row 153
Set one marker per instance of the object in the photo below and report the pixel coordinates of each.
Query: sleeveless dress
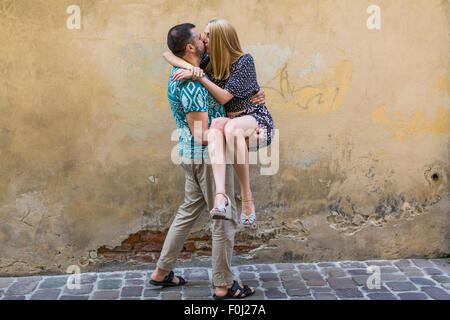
column 242, row 84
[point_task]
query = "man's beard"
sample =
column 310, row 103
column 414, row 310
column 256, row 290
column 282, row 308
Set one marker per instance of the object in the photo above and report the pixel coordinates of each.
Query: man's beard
column 199, row 52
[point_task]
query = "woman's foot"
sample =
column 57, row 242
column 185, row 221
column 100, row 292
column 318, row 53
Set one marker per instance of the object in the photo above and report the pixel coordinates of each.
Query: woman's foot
column 248, row 207
column 220, row 200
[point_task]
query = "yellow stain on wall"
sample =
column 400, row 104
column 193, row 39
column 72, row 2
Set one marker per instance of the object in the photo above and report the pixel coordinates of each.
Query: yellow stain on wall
column 444, row 84
column 415, row 125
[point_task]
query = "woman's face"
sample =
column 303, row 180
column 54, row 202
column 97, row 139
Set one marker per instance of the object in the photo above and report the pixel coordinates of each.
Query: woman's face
column 206, row 38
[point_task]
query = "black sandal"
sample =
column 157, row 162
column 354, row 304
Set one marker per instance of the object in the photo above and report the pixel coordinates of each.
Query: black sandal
column 243, row 292
column 167, row 282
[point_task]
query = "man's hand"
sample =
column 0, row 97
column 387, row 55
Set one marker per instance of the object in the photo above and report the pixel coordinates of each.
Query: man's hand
column 194, row 73
column 259, row 97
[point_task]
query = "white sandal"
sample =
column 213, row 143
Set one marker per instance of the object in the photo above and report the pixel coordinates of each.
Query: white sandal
column 250, row 219
column 223, row 211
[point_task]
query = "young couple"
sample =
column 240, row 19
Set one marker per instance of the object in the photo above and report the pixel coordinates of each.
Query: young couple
column 213, row 83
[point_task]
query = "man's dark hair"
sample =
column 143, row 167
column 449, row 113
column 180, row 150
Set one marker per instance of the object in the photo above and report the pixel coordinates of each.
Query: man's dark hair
column 178, row 37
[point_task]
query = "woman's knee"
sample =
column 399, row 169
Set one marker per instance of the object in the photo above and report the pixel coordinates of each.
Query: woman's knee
column 219, row 123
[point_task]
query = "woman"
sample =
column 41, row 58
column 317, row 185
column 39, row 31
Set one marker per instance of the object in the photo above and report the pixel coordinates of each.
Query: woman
column 248, row 126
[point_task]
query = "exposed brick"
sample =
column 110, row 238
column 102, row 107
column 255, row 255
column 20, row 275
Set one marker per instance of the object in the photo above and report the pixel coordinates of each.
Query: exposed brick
column 190, row 246
column 134, row 238
column 153, row 237
column 185, row 256
column 148, row 247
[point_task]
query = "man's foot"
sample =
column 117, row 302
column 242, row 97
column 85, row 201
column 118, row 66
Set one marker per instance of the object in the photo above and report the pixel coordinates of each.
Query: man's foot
column 158, row 275
column 222, row 291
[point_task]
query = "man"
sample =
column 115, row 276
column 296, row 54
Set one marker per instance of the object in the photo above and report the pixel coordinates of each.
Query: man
column 191, row 105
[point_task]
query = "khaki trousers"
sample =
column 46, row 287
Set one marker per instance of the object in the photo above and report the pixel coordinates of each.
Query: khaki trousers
column 198, row 199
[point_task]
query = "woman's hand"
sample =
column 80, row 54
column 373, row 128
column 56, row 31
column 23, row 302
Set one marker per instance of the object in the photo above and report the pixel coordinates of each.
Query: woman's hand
column 259, row 97
column 194, row 73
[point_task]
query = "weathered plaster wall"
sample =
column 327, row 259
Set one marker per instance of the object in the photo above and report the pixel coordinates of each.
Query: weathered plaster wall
column 85, row 130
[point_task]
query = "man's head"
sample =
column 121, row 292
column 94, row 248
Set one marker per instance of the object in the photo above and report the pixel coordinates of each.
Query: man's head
column 184, row 40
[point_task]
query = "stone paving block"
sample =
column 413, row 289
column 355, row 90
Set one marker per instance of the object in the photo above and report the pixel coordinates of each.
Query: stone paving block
column 402, row 263
column 6, row 282
column 106, row 295
column 324, row 296
column 316, row 283
column 68, row 297
column 352, row 265
column 263, row 267
column 46, row 294
column 432, row 271
column 302, row 298
column 88, row 278
column 251, row 283
column 381, row 289
column 109, row 284
column 196, row 283
column 422, row 263
column 284, row 266
column 84, row 289
column 389, row 270
column 446, row 286
column 360, row 280
column 294, row 284
column 134, row 275
column 2, row 292
column 401, row 286
column 14, row 298
column 341, row 283
column 392, row 277
column 271, row 284
column 326, row 264
column 381, row 296
column 357, row 272
column 422, row 281
column 151, row 293
column 170, row 296
column 436, row 293
column 334, row 272
column 247, row 276
column 412, row 296
column 22, row 286
column 115, row 275
column 196, row 292
column 196, row 274
column 246, row 268
column 292, row 292
column 306, row 266
column 441, row 279
column 134, row 282
column 274, row 293
column 131, row 291
column 311, row 275
column 321, row 289
column 378, row 263
column 268, row 276
column 53, row 282
column 349, row 293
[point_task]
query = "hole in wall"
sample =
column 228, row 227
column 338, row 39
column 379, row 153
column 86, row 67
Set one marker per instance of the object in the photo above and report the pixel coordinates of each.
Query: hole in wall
column 435, row 177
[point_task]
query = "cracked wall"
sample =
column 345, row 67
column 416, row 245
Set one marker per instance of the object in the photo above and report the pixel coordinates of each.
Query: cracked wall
column 85, row 132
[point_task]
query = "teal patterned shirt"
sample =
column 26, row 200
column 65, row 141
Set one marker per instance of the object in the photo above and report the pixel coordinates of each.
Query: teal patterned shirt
column 187, row 96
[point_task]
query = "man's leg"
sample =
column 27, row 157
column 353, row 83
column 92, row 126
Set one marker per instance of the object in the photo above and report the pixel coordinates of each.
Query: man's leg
column 222, row 231
column 188, row 213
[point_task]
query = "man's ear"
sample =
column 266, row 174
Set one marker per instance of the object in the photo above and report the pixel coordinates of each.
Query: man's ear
column 190, row 48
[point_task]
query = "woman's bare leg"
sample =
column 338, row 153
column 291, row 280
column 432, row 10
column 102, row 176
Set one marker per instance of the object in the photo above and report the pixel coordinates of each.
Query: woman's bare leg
column 236, row 132
column 217, row 155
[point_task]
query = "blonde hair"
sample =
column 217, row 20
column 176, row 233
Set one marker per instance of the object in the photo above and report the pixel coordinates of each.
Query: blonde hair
column 224, row 48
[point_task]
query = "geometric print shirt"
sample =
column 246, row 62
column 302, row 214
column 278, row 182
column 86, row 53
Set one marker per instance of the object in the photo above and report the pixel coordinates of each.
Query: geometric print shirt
column 187, row 96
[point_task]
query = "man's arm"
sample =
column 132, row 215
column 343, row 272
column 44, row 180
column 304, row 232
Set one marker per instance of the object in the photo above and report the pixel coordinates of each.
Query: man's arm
column 198, row 123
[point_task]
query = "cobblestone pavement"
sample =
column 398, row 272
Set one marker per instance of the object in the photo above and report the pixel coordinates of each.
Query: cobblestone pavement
column 404, row 279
